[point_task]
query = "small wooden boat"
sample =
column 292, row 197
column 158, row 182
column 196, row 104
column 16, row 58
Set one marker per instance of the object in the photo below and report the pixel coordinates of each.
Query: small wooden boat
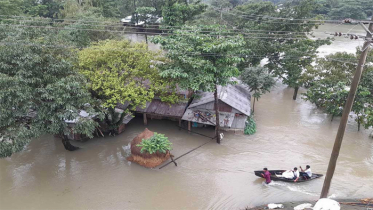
column 276, row 176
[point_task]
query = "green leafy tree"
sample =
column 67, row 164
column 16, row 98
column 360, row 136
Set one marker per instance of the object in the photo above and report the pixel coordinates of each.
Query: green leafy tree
column 329, row 87
column 340, row 9
column 177, row 13
column 347, row 11
column 120, row 72
column 214, row 14
column 157, row 143
column 10, row 7
column 201, row 59
column 289, row 55
column 145, row 14
column 250, row 127
column 39, row 91
column 259, row 81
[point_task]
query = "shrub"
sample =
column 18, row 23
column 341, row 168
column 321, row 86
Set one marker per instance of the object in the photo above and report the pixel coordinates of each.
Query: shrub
column 250, row 127
column 156, row 143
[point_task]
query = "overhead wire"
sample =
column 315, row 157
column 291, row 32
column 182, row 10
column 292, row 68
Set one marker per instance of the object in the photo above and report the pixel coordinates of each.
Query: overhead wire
column 306, row 56
column 151, row 33
column 166, row 28
column 134, row 26
column 264, row 36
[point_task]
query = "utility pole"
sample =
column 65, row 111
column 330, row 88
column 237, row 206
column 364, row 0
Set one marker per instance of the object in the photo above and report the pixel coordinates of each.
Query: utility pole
column 346, row 111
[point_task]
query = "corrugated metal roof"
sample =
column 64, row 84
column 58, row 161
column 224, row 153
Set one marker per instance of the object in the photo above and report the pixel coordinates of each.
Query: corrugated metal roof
column 128, row 118
column 237, row 96
column 158, row 107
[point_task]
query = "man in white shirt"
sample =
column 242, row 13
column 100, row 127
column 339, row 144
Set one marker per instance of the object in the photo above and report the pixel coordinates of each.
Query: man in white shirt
column 296, row 174
column 307, row 174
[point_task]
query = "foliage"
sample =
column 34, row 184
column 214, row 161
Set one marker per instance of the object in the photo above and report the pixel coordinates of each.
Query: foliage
column 289, row 56
column 250, row 127
column 176, row 14
column 213, row 14
column 145, row 14
column 156, row 143
column 259, row 80
column 341, row 9
column 120, row 71
column 329, row 88
column 201, row 58
column 10, row 7
column 39, row 90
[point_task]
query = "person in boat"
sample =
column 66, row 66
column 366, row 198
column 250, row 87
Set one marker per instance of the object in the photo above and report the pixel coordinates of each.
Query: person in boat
column 306, row 174
column 266, row 175
column 296, row 174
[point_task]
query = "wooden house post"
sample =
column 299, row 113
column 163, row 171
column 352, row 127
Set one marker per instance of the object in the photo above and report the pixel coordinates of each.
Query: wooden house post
column 189, row 126
column 145, row 119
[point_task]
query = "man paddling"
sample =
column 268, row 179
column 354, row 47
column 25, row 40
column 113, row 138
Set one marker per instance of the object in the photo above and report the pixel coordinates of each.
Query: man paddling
column 307, row 174
column 266, row 175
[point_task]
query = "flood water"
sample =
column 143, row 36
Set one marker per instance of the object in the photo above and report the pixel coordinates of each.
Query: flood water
column 289, row 133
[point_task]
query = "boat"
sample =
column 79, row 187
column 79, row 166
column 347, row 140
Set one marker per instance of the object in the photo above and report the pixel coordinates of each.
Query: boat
column 276, row 173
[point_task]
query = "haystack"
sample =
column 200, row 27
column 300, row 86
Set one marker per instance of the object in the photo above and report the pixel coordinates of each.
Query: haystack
column 146, row 159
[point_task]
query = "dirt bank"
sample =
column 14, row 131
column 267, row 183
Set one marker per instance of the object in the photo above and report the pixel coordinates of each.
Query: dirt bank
column 346, row 204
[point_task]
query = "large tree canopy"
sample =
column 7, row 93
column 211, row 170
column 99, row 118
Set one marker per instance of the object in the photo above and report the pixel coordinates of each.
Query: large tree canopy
column 259, row 80
column 176, row 13
column 39, row 91
column 121, row 71
column 202, row 58
column 279, row 35
column 329, row 87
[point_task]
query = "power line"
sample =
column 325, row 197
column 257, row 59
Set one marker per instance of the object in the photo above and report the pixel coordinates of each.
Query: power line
column 202, row 31
column 265, row 36
column 306, row 56
column 119, row 25
column 151, row 33
column 133, row 26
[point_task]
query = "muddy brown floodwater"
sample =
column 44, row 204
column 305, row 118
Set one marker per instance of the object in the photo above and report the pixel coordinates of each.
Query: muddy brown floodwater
column 290, row 133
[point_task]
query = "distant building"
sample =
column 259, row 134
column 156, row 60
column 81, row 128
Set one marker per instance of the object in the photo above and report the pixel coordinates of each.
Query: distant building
column 234, row 108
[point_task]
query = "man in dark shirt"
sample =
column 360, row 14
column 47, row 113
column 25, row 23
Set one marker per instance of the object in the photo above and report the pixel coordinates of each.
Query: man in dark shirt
column 266, row 175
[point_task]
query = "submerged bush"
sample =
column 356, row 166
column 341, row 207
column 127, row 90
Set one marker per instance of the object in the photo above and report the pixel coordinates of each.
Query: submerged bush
column 156, row 143
column 250, row 127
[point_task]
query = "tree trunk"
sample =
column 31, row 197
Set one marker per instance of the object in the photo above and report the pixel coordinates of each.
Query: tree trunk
column 332, row 117
column 295, row 93
column 146, row 35
column 217, row 124
column 358, row 123
column 68, row 146
column 253, row 106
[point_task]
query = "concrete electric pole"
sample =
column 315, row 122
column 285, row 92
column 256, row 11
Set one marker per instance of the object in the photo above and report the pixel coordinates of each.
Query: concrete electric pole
column 346, row 111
